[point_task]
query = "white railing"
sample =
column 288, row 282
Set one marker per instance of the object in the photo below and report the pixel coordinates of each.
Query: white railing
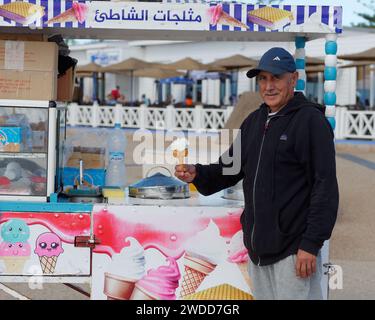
column 149, row 118
column 355, row 124
column 349, row 123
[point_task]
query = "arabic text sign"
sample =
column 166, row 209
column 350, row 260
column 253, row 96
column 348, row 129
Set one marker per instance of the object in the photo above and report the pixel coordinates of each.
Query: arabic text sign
column 148, row 16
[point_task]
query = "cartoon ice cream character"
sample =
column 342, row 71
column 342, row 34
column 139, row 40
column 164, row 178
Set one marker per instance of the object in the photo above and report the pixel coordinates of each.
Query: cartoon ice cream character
column 238, row 253
column 15, row 230
column 180, row 149
column 77, row 12
column 217, row 15
column 202, row 254
column 15, row 255
column 159, row 284
column 48, row 247
column 126, row 269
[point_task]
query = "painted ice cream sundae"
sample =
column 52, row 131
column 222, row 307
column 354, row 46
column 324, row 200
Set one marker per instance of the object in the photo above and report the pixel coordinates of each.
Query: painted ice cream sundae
column 77, row 12
column 203, row 252
column 218, row 16
column 48, row 248
column 126, row 269
column 15, row 255
column 15, row 251
column 15, row 230
column 158, row 284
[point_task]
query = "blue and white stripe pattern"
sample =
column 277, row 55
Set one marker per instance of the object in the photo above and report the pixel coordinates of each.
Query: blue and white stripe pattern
column 300, row 57
column 51, row 9
column 328, row 16
column 330, row 76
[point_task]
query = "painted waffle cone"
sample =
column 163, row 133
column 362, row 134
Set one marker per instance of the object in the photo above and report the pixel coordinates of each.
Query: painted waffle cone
column 141, row 294
column 244, row 268
column 196, row 271
column 14, row 264
column 48, row 264
column 117, row 288
column 66, row 16
column 226, row 19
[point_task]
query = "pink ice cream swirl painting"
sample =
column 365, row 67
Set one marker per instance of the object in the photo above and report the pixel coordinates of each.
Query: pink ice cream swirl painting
column 158, row 284
column 217, row 16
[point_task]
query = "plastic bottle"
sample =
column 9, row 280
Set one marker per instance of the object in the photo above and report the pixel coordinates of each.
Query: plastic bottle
column 116, row 171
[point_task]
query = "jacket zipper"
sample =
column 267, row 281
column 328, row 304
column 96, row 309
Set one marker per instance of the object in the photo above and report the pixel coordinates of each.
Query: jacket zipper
column 255, row 180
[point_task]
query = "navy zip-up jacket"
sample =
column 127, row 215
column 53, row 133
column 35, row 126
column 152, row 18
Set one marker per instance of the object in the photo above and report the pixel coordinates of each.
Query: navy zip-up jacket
column 290, row 188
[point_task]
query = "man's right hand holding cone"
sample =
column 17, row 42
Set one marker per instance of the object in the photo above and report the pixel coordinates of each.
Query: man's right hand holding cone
column 185, row 172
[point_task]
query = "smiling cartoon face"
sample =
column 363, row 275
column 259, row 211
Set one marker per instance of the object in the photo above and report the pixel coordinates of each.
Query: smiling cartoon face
column 15, row 230
column 48, row 244
column 17, row 249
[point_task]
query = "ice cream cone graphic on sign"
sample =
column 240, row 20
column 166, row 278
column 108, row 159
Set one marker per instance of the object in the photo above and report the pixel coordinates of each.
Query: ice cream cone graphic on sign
column 14, row 255
column 48, row 248
column 126, row 269
column 77, row 12
column 239, row 255
column 158, row 284
column 15, row 251
column 202, row 254
column 196, row 270
column 218, row 16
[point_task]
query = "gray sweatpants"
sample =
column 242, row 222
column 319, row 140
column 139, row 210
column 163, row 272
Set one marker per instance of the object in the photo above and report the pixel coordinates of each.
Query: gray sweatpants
column 279, row 281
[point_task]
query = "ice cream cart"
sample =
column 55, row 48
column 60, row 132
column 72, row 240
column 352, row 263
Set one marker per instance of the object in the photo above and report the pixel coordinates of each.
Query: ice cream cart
column 136, row 248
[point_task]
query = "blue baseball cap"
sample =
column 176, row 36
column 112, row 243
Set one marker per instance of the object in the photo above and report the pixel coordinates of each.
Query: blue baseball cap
column 276, row 61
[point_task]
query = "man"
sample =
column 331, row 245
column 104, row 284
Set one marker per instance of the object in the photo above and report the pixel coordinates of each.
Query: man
column 289, row 182
column 115, row 93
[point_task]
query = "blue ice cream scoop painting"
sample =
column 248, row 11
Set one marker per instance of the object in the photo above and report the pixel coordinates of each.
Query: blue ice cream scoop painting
column 15, row 230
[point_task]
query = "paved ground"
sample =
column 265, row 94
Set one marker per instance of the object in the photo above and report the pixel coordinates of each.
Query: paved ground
column 351, row 244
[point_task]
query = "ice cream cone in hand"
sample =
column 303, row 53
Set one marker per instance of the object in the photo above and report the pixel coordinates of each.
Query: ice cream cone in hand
column 180, row 150
column 218, row 16
column 77, row 12
column 180, row 155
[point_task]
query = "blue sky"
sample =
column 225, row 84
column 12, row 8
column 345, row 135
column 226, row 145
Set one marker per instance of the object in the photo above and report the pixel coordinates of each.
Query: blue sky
column 349, row 8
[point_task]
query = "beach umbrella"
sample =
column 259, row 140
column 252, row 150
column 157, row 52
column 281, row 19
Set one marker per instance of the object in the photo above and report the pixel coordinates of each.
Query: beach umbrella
column 368, row 58
column 128, row 66
column 368, row 55
column 236, row 61
column 187, row 64
column 157, row 73
column 89, row 68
